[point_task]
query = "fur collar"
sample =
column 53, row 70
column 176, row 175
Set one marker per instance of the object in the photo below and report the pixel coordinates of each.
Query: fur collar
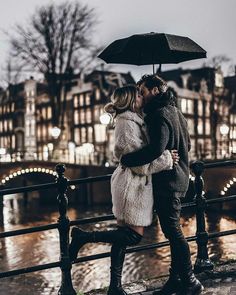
column 132, row 116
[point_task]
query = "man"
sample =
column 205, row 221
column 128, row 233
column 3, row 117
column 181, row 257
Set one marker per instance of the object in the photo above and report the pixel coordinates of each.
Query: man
column 167, row 129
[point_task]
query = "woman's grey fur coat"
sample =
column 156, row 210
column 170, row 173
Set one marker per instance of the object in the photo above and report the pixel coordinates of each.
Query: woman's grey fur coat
column 131, row 188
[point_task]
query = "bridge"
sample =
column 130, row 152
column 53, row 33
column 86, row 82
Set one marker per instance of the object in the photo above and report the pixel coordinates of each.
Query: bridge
column 18, row 174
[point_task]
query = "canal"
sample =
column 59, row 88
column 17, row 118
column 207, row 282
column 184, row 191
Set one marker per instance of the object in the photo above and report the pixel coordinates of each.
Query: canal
column 43, row 247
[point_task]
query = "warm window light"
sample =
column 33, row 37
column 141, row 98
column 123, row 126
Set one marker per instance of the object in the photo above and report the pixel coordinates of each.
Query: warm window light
column 55, row 132
column 224, row 129
column 105, row 118
column 88, row 147
column 71, row 145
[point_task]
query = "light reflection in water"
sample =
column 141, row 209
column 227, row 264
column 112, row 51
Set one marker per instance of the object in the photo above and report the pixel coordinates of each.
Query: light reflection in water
column 43, row 247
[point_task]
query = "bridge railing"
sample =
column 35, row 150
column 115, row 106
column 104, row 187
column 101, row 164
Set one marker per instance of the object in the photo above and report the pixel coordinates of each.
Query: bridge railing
column 200, row 204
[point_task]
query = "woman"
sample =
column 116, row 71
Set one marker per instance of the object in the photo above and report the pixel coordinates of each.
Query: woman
column 131, row 188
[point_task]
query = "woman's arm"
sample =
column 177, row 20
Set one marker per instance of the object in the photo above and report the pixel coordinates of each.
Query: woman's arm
column 128, row 138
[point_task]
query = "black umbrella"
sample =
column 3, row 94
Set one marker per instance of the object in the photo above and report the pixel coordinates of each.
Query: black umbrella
column 152, row 48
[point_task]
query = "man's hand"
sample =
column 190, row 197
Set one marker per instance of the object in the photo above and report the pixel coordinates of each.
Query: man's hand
column 175, row 156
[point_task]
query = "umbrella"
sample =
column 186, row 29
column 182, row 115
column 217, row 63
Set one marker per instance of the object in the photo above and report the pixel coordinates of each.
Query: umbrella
column 152, row 48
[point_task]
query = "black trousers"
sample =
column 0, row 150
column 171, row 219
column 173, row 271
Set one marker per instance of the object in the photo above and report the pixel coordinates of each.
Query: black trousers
column 168, row 207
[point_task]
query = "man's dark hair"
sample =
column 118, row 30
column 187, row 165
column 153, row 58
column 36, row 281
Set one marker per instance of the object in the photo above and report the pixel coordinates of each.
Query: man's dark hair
column 151, row 81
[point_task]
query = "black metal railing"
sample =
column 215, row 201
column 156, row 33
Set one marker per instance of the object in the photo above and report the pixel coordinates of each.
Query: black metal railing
column 200, row 203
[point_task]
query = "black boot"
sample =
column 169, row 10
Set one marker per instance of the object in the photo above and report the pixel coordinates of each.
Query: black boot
column 172, row 286
column 117, row 261
column 191, row 285
column 123, row 235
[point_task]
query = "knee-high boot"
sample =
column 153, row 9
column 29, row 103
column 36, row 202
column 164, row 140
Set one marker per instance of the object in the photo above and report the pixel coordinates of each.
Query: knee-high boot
column 124, row 236
column 117, row 261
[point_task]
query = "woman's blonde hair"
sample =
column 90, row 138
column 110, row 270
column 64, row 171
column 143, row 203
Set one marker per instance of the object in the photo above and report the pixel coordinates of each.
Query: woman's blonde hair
column 122, row 99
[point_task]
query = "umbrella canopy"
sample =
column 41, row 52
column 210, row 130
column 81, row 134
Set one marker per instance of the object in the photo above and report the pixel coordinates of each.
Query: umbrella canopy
column 152, row 48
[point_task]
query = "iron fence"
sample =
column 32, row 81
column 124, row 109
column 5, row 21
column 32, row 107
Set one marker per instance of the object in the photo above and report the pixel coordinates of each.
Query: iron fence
column 200, row 204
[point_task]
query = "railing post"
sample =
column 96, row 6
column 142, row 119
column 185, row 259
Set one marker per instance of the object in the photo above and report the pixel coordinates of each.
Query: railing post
column 64, row 228
column 1, row 206
column 202, row 262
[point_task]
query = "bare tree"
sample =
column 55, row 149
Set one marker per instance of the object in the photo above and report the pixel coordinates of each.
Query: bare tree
column 58, row 43
column 217, row 61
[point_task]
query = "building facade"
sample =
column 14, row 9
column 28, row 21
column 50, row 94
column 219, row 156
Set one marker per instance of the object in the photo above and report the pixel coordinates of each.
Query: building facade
column 27, row 132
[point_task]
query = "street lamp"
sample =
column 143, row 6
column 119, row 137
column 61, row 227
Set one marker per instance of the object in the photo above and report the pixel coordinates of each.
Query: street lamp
column 105, row 119
column 55, row 132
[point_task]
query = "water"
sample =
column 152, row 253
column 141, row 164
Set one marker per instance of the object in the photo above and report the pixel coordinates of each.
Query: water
column 43, row 247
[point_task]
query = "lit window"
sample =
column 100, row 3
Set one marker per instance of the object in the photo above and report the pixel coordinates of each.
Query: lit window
column 200, row 127
column 200, row 108
column 87, row 99
column 100, row 132
column 44, row 113
column 184, row 105
column 77, row 136
column 13, row 141
column 90, row 134
column 190, row 106
column 96, row 113
column 76, row 117
column 76, row 102
column 208, row 127
column 89, row 116
column 83, row 135
column 49, row 112
column 97, row 94
column 207, row 109
column 81, row 100
column 191, row 126
column 82, row 117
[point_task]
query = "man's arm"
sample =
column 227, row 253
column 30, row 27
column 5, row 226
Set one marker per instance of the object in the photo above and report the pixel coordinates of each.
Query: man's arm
column 159, row 137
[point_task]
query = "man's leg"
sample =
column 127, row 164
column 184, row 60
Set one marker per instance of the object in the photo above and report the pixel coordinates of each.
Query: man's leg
column 168, row 208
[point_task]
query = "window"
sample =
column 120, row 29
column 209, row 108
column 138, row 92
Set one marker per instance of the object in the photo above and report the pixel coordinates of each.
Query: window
column 208, row 127
column 200, row 108
column 83, row 135
column 76, row 101
column 207, row 109
column 44, row 113
column 97, row 94
column 87, row 99
column 77, row 136
column 76, row 117
column 13, row 141
column 89, row 116
column 191, row 126
column 100, row 132
column 49, row 112
column 200, row 127
column 90, row 134
column 81, row 100
column 82, row 116
column 96, row 113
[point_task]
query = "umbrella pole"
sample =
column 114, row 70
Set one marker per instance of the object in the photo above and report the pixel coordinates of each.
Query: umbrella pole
column 153, row 69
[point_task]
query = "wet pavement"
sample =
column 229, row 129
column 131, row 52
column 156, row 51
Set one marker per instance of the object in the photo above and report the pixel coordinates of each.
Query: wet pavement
column 220, row 281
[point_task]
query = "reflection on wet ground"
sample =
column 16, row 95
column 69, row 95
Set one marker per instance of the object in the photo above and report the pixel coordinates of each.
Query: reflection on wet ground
column 43, row 247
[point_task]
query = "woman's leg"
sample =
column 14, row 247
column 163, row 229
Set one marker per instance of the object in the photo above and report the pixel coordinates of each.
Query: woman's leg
column 124, row 236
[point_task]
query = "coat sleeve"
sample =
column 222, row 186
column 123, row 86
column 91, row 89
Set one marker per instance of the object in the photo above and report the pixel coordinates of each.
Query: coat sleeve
column 159, row 137
column 128, row 139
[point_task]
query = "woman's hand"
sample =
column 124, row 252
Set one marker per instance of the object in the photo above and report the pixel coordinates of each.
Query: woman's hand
column 175, row 156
